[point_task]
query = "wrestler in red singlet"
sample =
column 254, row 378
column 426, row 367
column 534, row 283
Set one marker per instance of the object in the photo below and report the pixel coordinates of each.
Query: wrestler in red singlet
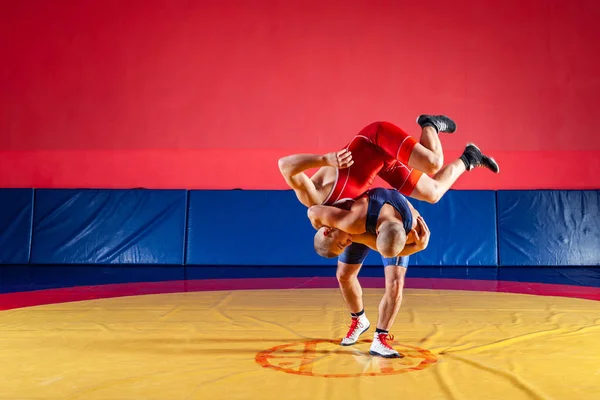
column 380, row 148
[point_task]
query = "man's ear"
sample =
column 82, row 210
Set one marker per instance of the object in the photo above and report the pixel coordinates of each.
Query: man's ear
column 326, row 232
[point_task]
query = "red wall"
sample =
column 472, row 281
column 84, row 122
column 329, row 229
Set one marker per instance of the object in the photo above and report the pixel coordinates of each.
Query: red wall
column 192, row 94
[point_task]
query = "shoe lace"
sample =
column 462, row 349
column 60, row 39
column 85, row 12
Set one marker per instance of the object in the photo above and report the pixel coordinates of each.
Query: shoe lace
column 384, row 337
column 355, row 323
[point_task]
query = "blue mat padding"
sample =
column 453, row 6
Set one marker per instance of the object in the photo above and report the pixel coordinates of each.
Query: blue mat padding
column 109, row 227
column 249, row 228
column 270, row 228
column 463, row 230
column 16, row 211
column 542, row 228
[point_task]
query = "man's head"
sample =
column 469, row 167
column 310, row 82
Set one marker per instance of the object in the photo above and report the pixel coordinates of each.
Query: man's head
column 331, row 242
column 391, row 239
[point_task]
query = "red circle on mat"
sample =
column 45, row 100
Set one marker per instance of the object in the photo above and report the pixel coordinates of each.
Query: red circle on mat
column 297, row 359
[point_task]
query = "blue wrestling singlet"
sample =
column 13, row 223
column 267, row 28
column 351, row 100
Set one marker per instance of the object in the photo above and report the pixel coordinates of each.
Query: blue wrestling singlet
column 357, row 252
column 380, row 197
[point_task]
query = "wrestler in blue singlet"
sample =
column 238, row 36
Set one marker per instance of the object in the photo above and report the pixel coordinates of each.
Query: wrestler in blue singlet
column 378, row 197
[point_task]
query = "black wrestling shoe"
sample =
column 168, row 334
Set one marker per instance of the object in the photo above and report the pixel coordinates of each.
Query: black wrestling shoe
column 473, row 158
column 441, row 123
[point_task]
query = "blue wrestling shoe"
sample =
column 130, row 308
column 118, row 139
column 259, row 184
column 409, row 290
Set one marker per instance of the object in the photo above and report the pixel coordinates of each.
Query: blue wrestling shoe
column 441, row 123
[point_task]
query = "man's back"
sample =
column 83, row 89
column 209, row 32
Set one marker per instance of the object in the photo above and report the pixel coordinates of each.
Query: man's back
column 387, row 205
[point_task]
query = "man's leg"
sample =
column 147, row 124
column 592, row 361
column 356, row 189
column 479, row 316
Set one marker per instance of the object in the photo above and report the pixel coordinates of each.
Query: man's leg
column 415, row 184
column 388, row 309
column 429, row 154
column 347, row 276
column 432, row 189
column 426, row 156
column 349, row 264
column 392, row 299
column 380, row 144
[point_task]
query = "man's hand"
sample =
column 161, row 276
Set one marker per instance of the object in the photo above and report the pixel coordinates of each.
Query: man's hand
column 421, row 234
column 339, row 159
column 418, row 239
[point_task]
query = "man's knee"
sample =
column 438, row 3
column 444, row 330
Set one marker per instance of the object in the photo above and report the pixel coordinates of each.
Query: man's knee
column 342, row 276
column 430, row 191
column 347, row 272
column 394, row 288
column 433, row 197
column 434, row 163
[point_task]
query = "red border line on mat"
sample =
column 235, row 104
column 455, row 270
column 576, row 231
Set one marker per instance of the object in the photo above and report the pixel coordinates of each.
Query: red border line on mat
column 11, row 301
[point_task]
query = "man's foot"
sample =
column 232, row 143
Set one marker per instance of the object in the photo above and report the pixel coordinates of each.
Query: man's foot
column 473, row 157
column 441, row 123
column 359, row 326
column 380, row 346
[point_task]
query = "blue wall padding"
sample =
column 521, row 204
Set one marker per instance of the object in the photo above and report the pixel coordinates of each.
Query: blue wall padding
column 109, row 227
column 250, row 228
column 549, row 228
column 16, row 210
column 463, row 230
column 271, row 228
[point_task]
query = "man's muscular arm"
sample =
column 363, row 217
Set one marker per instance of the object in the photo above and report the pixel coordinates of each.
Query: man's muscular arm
column 334, row 217
column 370, row 240
column 292, row 168
column 420, row 238
column 367, row 238
column 409, row 250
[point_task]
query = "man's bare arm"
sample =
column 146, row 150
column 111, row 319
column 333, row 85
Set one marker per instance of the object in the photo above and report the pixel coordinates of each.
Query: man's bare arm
column 367, row 238
column 420, row 238
column 292, row 168
column 409, row 250
column 334, row 217
column 370, row 240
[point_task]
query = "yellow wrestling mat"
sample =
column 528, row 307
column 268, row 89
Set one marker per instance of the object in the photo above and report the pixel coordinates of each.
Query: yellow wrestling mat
column 282, row 344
